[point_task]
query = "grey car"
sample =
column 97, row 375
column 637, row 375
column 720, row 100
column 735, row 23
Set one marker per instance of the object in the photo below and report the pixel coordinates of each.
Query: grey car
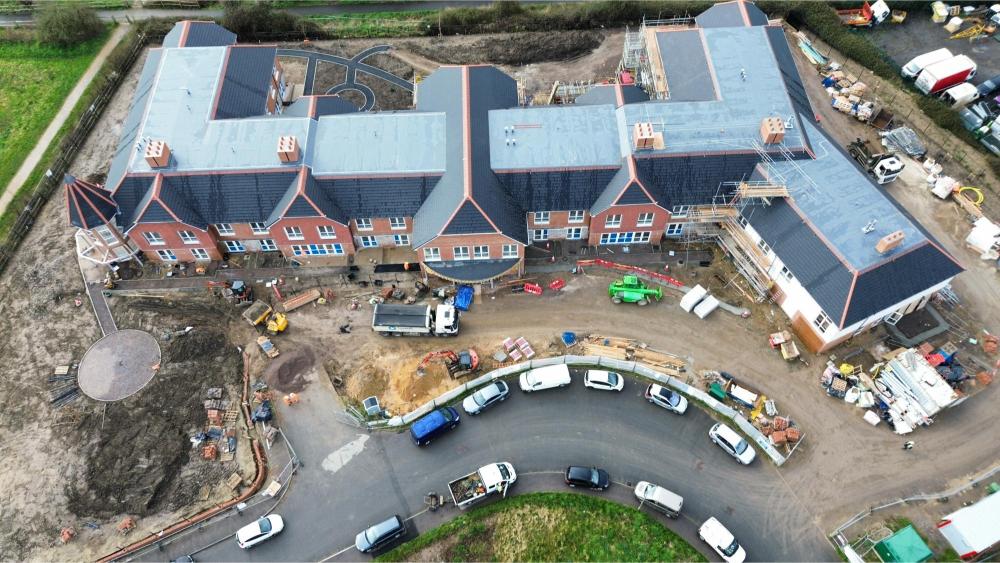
column 380, row 535
column 486, row 397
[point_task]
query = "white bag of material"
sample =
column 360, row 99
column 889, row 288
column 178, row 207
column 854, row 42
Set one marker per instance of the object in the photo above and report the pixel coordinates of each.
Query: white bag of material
column 709, row 304
column 692, row 298
column 944, row 186
column 872, row 418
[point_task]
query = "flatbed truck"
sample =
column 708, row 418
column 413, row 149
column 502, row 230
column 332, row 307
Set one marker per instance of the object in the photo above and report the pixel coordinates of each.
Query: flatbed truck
column 415, row 320
column 487, row 480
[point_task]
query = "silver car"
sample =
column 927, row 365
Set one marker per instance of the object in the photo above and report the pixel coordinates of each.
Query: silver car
column 486, row 397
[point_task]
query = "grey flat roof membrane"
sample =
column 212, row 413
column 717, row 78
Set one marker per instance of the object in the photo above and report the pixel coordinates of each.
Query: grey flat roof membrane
column 685, row 62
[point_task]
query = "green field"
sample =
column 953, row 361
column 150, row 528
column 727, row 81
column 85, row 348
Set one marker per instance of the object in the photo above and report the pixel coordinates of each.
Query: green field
column 34, row 82
column 550, row 527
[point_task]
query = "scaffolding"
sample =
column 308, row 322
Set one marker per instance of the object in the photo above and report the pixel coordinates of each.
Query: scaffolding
column 567, row 92
column 640, row 54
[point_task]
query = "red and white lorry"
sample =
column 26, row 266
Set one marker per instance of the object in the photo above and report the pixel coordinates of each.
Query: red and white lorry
column 941, row 75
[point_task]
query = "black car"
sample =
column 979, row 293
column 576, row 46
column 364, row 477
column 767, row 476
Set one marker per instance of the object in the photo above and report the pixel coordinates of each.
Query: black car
column 590, row 477
column 380, row 535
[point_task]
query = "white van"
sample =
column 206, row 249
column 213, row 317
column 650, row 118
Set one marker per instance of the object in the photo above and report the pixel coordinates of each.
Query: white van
column 546, row 377
column 658, row 498
column 960, row 95
column 920, row 62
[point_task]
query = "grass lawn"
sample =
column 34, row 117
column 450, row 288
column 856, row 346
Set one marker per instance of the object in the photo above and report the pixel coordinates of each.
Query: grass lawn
column 34, row 82
column 549, row 527
column 375, row 24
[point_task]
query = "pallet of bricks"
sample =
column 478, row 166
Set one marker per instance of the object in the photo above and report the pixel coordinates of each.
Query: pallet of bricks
column 218, row 440
column 629, row 350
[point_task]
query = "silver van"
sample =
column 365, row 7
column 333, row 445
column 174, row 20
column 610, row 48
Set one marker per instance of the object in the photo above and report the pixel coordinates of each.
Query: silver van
column 658, row 498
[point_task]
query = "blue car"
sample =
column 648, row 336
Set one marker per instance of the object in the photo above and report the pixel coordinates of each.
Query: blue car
column 433, row 424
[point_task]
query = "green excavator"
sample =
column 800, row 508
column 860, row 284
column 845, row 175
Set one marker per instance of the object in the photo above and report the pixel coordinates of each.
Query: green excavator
column 630, row 289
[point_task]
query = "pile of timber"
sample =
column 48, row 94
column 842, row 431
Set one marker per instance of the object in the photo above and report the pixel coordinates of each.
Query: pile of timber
column 633, row 350
column 298, row 300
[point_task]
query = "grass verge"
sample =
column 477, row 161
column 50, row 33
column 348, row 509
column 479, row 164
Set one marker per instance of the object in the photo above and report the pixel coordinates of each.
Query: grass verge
column 551, row 527
column 34, row 82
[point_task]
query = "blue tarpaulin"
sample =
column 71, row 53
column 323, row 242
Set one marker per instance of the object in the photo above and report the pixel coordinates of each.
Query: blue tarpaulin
column 464, row 297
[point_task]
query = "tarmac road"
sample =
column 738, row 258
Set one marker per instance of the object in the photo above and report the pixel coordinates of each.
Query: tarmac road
column 342, row 489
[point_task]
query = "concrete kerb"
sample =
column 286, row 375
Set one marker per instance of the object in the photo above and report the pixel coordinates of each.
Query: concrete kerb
column 636, row 368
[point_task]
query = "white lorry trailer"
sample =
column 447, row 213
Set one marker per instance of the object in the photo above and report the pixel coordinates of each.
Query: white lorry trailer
column 415, row 320
column 489, row 479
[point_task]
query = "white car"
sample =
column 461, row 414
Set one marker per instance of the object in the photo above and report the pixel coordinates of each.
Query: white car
column 732, row 443
column 722, row 541
column 603, row 380
column 546, row 377
column 486, row 397
column 670, row 400
column 259, row 531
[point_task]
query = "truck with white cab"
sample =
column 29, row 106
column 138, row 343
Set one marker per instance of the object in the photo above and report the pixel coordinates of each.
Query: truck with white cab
column 415, row 320
column 487, row 480
column 945, row 74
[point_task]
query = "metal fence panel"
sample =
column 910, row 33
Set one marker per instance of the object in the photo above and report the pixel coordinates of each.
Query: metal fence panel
column 542, row 362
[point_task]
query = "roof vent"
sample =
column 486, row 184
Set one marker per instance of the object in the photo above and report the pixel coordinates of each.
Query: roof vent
column 288, row 148
column 644, row 138
column 157, row 154
column 772, row 130
column 889, row 242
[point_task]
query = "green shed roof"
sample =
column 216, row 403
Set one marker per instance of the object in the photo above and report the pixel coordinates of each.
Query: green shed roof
column 905, row 546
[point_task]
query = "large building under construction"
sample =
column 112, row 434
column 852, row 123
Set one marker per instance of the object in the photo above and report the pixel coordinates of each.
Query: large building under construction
column 715, row 137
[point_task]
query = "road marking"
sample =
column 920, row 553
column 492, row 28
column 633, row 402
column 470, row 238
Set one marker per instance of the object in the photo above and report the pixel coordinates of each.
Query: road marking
column 332, row 555
column 339, row 458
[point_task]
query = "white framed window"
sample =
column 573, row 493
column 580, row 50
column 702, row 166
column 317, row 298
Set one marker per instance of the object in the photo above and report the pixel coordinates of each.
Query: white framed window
column 674, row 229
column 326, row 231
column 167, row 255
column 224, row 229
column 401, row 240
column 106, row 235
column 199, row 254
column 460, row 253
column 153, row 237
column 267, row 245
column 644, row 220
column 187, row 237
column 369, row 241
column 763, row 246
column 574, row 233
column 259, row 228
column 317, row 249
column 432, row 254
column 397, row 223
column 364, row 224
column 680, row 211
column 743, row 221
column 509, row 251
column 294, row 233
column 235, row 246
column 540, row 234
column 575, row 216
column 625, row 238
column 786, row 273
column 541, row 217
column 822, row 321
column 481, row 252
column 613, row 221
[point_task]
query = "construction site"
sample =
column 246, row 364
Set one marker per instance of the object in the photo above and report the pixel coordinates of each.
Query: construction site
column 782, row 279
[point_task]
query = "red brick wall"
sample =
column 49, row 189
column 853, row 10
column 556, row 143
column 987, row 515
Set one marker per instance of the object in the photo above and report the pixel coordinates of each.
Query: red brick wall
column 558, row 220
column 380, row 226
column 630, row 216
column 446, row 244
column 310, row 233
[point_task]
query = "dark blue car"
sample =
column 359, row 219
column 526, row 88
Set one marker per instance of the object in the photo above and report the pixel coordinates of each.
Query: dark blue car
column 433, row 424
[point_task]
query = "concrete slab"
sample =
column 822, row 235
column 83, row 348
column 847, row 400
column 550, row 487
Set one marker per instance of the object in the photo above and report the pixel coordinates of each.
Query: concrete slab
column 119, row 365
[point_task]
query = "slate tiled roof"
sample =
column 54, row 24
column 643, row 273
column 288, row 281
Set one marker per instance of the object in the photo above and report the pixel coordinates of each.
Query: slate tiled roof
column 602, row 94
column 789, row 73
column 89, row 205
column 468, row 220
column 155, row 212
column 246, row 82
column 689, row 77
column 694, row 180
column 133, row 121
column 129, row 197
column 198, row 34
column 731, row 14
column 225, row 198
column 557, row 190
column 333, row 105
column 615, row 187
column 633, row 195
column 378, row 197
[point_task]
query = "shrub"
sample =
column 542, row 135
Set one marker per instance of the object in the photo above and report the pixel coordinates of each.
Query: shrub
column 259, row 21
column 65, row 24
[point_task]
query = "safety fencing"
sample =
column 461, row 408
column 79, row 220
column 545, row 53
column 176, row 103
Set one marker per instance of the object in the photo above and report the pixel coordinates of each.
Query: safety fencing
column 636, row 368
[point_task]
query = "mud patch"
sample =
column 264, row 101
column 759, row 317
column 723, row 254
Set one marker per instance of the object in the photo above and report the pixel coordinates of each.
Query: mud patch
column 510, row 49
column 287, row 373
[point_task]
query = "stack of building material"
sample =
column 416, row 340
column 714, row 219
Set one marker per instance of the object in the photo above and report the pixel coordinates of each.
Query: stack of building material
column 913, row 391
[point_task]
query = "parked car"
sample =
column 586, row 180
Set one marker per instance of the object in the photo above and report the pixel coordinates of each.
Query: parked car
column 433, row 424
column 380, row 535
column 988, row 86
column 545, row 378
column 976, row 118
column 732, row 443
column 604, row 380
column 590, row 477
column 670, row 400
column 658, row 498
column 722, row 541
column 486, row 397
column 259, row 531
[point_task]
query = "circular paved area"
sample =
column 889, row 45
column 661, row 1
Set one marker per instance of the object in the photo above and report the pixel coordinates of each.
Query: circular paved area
column 118, row 365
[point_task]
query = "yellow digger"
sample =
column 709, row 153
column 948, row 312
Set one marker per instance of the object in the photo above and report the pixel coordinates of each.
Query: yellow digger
column 261, row 314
